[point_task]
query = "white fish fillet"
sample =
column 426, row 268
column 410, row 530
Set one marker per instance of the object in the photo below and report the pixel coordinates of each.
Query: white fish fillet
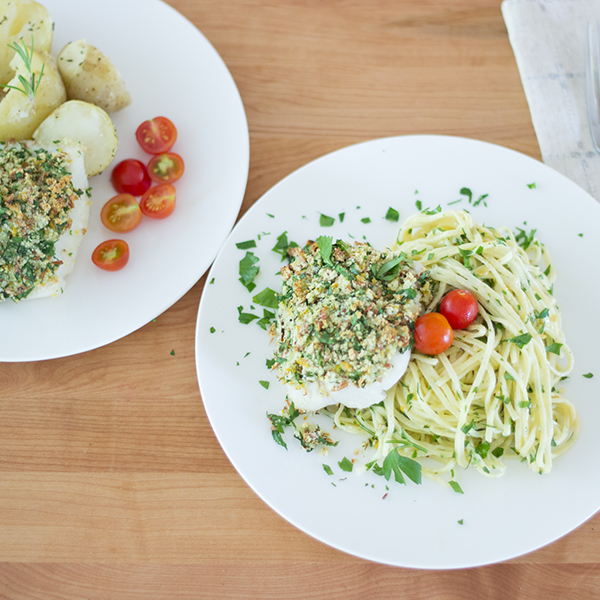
column 315, row 395
column 68, row 243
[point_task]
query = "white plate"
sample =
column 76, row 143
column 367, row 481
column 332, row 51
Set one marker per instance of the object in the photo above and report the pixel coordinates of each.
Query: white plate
column 170, row 69
column 414, row 526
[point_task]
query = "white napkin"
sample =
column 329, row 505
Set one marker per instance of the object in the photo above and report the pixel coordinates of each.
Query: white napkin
column 548, row 39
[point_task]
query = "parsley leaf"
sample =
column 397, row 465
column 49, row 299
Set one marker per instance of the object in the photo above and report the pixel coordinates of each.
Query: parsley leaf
column 345, row 465
column 392, row 215
column 282, row 246
column 466, row 192
column 248, row 271
column 267, row 298
column 454, row 485
column 325, row 221
column 588, row 375
column 327, row 469
column 398, row 464
column 245, row 318
column 523, row 239
column 246, row 245
column 554, row 347
column 325, row 244
column 389, row 270
column 521, row 340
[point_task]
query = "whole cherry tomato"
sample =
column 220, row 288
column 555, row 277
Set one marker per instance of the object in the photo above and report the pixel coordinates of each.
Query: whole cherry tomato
column 433, row 333
column 460, row 308
column 156, row 135
column 131, row 177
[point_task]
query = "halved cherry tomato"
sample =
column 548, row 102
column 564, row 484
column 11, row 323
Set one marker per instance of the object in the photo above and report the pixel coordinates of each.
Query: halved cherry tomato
column 433, row 333
column 111, row 255
column 156, row 135
column 460, row 308
column 121, row 213
column 131, row 177
column 159, row 201
column 165, row 168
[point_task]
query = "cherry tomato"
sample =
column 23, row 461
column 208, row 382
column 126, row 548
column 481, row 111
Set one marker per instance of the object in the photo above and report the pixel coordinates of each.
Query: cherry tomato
column 433, row 333
column 156, row 135
column 131, row 177
column 121, row 213
column 460, row 308
column 159, row 201
column 165, row 168
column 111, row 255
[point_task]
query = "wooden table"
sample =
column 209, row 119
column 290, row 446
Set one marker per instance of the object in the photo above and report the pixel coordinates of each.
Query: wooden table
column 112, row 484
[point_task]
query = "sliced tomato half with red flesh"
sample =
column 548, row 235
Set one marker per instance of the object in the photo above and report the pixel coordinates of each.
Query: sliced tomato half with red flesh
column 157, row 135
column 111, row 255
column 159, row 201
column 121, row 213
column 166, row 168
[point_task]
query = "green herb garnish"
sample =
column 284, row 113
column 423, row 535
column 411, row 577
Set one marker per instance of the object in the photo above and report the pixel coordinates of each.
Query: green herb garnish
column 520, row 340
column 267, row 298
column 248, row 271
column 454, row 485
column 325, row 244
column 345, row 465
column 392, row 215
column 325, row 221
column 246, row 245
column 30, row 85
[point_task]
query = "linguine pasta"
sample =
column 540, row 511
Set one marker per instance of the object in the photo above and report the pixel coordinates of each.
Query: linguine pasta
column 495, row 393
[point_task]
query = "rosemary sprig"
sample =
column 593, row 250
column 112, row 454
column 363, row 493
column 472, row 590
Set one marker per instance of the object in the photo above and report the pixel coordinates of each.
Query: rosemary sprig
column 31, row 85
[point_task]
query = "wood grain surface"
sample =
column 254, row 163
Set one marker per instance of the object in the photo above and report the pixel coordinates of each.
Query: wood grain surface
column 112, row 483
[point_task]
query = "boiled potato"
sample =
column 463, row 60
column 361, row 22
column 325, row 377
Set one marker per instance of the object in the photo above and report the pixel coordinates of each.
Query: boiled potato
column 91, row 77
column 20, row 116
column 87, row 124
column 22, row 19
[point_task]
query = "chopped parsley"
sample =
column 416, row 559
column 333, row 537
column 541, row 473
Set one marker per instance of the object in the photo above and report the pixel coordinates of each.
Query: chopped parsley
column 246, row 245
column 396, row 464
column 456, row 487
column 345, row 465
column 267, row 298
column 325, row 221
column 392, row 215
column 521, row 340
column 248, row 270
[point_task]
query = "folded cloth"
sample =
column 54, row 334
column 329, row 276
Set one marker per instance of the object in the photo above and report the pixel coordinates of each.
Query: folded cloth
column 548, row 38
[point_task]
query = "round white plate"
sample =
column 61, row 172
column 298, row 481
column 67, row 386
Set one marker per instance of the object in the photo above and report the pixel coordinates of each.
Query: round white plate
column 409, row 526
column 171, row 70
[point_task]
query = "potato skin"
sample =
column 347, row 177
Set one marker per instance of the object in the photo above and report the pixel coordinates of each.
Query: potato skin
column 90, row 76
column 22, row 20
column 19, row 117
